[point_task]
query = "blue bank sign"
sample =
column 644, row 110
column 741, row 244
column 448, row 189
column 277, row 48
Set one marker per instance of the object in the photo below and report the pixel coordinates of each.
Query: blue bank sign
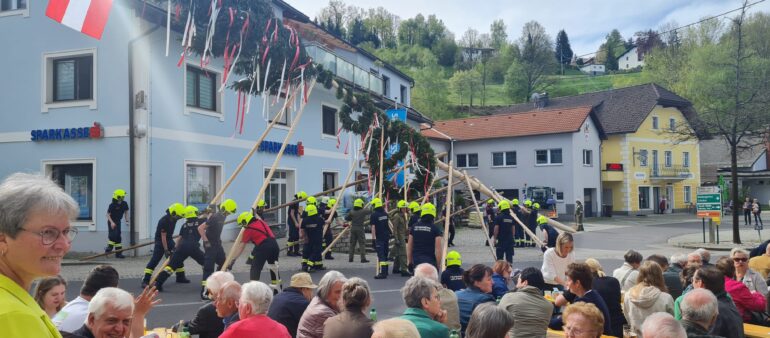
column 274, row 147
column 64, row 134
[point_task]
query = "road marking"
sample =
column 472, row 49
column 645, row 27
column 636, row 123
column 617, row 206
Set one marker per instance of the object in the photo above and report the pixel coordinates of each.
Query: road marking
column 201, row 302
column 386, row 291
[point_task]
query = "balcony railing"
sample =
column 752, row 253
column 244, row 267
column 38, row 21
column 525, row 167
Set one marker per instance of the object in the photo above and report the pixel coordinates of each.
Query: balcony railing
column 344, row 69
column 675, row 172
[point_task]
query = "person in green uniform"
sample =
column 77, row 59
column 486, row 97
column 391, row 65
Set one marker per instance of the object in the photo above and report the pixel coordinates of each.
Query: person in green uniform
column 579, row 215
column 357, row 217
column 400, row 220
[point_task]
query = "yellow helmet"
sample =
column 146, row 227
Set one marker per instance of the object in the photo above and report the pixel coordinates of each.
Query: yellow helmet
column 414, row 206
column 190, row 211
column 301, row 195
column 176, row 209
column 261, row 203
column 228, row 206
column 536, row 205
column 311, row 210
column 376, row 203
column 490, row 201
column 119, row 193
column 503, row 205
column 245, row 218
column 453, row 258
column 401, row 204
column 515, row 201
column 331, row 202
column 428, row 209
column 358, row 203
column 542, row 219
column 527, row 202
column 311, row 200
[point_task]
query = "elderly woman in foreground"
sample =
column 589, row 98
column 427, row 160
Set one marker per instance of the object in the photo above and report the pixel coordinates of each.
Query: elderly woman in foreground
column 323, row 306
column 489, row 321
column 35, row 234
column 583, row 320
column 252, row 309
column 351, row 322
column 421, row 296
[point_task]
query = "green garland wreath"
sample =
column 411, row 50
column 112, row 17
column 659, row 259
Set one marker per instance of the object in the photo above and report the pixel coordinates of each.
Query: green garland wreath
column 265, row 31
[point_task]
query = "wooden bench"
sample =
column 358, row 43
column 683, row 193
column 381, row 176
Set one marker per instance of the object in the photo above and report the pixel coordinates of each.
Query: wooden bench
column 751, row 330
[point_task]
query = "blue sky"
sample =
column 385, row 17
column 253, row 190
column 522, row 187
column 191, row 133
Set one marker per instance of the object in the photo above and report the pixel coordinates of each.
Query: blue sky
column 586, row 22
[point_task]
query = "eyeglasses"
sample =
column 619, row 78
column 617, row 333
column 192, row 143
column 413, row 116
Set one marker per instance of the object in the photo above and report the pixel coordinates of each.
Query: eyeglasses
column 575, row 331
column 742, row 260
column 50, row 235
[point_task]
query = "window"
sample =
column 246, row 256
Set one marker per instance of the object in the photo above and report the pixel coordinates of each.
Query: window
column 643, row 157
column 467, row 160
column 13, row 7
column 687, row 194
column 385, row 86
column 403, row 95
column 274, row 110
column 202, row 183
column 626, row 58
column 77, row 180
column 329, row 180
column 672, row 124
column 654, row 122
column 201, row 88
column 588, row 157
column 329, row 124
column 549, row 156
column 644, row 197
column 686, row 159
column 560, row 196
column 504, row 159
column 69, row 79
column 667, row 158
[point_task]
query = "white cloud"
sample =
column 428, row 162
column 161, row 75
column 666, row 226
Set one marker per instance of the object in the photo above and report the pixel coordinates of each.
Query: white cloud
column 586, row 22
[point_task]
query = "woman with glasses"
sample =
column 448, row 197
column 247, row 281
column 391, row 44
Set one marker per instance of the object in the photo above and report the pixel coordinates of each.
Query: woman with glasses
column 752, row 279
column 35, row 234
column 583, row 320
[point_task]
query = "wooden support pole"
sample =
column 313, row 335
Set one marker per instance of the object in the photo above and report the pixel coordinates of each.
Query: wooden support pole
column 342, row 191
column 294, row 123
column 481, row 216
column 140, row 245
column 448, row 211
column 381, row 178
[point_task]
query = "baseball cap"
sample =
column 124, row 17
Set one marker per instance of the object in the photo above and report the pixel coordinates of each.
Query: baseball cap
column 302, row 280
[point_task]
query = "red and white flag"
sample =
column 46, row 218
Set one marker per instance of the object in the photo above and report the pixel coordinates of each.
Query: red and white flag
column 86, row 16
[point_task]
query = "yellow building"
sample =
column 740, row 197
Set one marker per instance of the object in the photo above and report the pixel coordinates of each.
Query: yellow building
column 645, row 159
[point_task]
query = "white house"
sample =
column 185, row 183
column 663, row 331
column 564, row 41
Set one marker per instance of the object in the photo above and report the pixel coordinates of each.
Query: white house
column 630, row 59
column 592, row 69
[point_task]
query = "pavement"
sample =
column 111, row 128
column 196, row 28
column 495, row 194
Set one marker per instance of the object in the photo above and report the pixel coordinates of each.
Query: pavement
column 605, row 239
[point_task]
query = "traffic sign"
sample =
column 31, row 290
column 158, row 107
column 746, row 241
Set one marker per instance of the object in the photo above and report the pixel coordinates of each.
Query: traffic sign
column 709, row 202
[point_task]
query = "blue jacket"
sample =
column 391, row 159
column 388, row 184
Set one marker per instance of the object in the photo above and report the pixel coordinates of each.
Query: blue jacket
column 287, row 308
column 467, row 300
column 499, row 286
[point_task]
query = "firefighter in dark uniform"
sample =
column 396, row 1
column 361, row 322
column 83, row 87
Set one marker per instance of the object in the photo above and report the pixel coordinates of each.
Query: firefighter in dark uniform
column 532, row 223
column 380, row 237
column 357, row 217
column 293, row 223
column 549, row 232
column 115, row 212
column 188, row 246
column 164, row 243
column 415, row 208
column 265, row 248
column 400, row 231
column 211, row 233
column 424, row 244
column 503, row 236
column 517, row 230
column 489, row 218
column 311, row 230
column 259, row 212
column 452, row 277
column 520, row 238
column 329, row 235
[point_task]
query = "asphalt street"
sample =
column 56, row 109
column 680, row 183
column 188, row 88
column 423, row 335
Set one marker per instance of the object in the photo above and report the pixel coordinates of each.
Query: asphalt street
column 606, row 243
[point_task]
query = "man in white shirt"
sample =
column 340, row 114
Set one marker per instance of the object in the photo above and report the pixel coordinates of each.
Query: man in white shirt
column 73, row 315
column 628, row 273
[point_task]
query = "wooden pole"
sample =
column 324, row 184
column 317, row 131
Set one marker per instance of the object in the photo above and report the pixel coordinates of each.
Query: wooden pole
column 382, row 160
column 230, row 256
column 447, row 211
column 478, row 210
column 342, row 191
column 140, row 245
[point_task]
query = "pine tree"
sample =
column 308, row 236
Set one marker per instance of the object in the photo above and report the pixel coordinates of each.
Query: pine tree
column 563, row 50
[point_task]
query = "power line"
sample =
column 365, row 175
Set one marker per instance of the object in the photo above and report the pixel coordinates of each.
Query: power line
column 694, row 23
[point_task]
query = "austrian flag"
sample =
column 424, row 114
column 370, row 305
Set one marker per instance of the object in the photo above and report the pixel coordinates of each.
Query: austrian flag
column 86, row 16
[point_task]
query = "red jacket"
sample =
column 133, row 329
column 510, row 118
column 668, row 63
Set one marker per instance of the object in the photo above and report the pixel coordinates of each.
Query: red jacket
column 744, row 299
column 256, row 327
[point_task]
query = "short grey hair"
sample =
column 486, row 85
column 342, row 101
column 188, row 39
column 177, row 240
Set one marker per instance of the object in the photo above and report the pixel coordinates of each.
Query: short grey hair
column 699, row 305
column 426, row 270
column 416, row 289
column 705, row 255
column 662, row 325
column 229, row 291
column 396, row 328
column 740, row 251
column 489, row 320
column 217, row 279
column 679, row 259
column 21, row 193
column 327, row 282
column 258, row 295
column 115, row 297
